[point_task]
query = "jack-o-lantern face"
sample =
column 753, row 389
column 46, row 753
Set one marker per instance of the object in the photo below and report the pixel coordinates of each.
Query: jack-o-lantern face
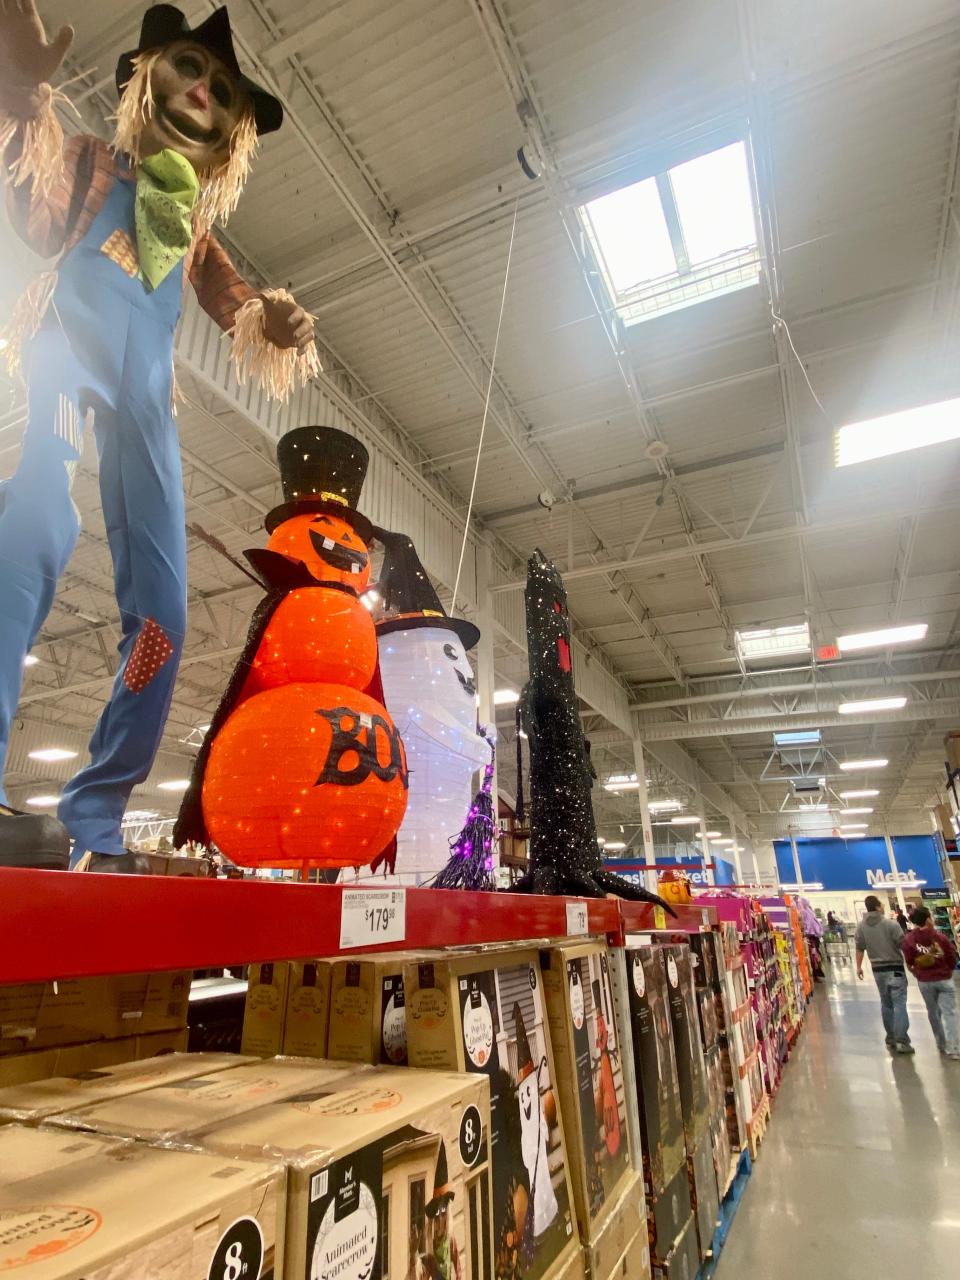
column 327, row 545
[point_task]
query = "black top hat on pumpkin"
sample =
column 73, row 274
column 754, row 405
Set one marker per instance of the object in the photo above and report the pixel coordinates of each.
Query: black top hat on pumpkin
column 525, row 1065
column 164, row 23
column 409, row 597
column 443, row 1193
column 322, row 470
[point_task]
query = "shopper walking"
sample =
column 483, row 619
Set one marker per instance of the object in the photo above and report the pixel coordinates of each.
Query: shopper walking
column 901, row 919
column 882, row 941
column 931, row 957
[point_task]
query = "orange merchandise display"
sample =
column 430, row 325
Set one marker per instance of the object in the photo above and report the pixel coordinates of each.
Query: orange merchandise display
column 327, row 546
column 320, row 636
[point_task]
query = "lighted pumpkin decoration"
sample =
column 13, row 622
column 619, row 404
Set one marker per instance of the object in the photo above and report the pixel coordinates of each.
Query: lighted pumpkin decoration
column 302, row 764
column 674, row 886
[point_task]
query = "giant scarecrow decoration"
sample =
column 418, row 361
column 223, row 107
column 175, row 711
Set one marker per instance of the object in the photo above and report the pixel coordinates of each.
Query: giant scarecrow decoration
column 302, row 765
column 564, row 853
column 130, row 224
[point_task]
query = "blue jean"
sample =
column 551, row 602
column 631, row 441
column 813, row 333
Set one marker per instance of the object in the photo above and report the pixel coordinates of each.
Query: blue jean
column 893, row 1005
column 940, row 998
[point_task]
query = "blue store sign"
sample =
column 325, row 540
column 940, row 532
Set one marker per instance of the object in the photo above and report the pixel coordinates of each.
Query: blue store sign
column 854, row 866
column 722, row 870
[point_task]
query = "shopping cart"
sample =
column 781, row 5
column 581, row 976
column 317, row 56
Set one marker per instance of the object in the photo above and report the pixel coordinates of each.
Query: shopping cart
column 837, row 947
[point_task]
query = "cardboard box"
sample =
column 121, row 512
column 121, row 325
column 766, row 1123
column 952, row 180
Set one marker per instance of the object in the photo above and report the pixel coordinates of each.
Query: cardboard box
column 97, row 1209
column 35, row 1102
column 373, row 1162
column 604, row 1255
column 178, row 1112
column 708, row 1020
column 661, row 1118
column 583, row 1033
column 708, row 963
column 722, row 1154
column 307, row 1019
column 265, row 1009
column 67, row 1060
column 40, row 1015
column 368, row 1021
column 684, row 1262
column 691, row 1069
column 634, row 1262
column 703, row 1193
column 484, row 1013
column 667, row 1214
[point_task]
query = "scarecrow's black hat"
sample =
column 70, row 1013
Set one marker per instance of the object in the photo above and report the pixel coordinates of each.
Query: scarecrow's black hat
column 443, row 1193
column 409, row 597
column 322, row 470
column 164, row 23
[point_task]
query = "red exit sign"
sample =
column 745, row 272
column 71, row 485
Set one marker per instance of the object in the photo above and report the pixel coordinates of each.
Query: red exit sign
column 827, row 653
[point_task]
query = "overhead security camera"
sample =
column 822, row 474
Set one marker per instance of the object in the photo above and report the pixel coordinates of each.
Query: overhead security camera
column 546, row 499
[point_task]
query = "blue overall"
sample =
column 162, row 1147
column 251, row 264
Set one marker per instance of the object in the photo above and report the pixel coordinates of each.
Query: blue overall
column 106, row 347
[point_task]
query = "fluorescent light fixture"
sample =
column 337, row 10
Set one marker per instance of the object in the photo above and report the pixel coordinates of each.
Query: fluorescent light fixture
column 864, row 808
column 676, row 237
column 50, row 755
column 853, row 835
column 812, row 886
column 43, row 802
column 621, row 786
column 710, row 835
column 896, row 432
column 882, row 638
column 686, row 820
column 664, row 806
column 31, row 660
column 773, row 642
column 138, row 815
column 871, row 704
column 725, row 842
column 614, row 844
column 863, row 793
column 854, row 766
column 797, row 738
column 505, row 697
column 178, row 784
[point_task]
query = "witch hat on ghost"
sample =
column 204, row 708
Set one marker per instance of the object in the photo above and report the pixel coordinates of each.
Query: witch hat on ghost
column 409, row 597
column 443, row 1193
column 322, row 470
column 164, row 23
column 525, row 1065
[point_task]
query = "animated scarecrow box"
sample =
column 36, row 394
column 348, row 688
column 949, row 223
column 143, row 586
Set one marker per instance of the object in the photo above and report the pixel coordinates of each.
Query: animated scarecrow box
column 93, row 1208
column 367, row 1010
column 685, row 1021
column 306, row 1024
column 484, row 1013
column 388, row 1174
column 265, row 1009
column 583, row 1031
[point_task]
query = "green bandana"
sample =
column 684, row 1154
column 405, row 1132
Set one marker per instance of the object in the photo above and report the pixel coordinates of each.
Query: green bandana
column 167, row 190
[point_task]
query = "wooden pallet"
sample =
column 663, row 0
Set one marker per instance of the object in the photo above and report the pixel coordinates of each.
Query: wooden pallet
column 757, row 1128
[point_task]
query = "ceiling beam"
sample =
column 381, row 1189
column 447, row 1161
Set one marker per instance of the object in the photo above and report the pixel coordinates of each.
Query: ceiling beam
column 680, row 730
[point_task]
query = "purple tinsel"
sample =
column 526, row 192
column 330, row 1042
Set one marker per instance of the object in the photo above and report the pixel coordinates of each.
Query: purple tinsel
column 471, row 852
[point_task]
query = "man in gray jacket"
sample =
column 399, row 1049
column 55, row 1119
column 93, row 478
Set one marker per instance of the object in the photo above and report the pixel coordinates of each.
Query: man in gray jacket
column 882, row 941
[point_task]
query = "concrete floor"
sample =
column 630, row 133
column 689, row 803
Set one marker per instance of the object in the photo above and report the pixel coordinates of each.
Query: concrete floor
column 859, row 1173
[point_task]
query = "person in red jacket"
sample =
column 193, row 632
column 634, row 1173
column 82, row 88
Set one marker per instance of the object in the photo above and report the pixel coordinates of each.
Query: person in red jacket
column 931, row 957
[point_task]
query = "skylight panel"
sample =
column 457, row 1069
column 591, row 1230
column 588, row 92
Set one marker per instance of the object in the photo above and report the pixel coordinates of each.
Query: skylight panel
column 632, row 235
column 715, row 203
column 773, row 642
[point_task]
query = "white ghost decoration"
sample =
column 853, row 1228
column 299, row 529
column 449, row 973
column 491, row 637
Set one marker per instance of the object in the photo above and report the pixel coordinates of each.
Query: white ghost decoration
column 431, row 694
column 533, row 1150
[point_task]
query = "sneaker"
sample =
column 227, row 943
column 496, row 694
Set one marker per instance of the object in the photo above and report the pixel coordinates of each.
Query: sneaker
column 891, row 1043
column 954, row 1057
column 904, row 1048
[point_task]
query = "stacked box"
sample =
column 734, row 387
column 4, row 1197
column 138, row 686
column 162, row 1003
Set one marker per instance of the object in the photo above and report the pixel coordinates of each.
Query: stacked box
column 661, row 1117
column 306, row 1020
column 368, row 1017
column 43, row 1015
column 703, row 1193
column 37, row 1101
column 607, row 1192
column 483, row 1013
column 388, row 1174
column 67, row 1060
column 709, row 1022
column 685, row 1022
column 179, row 1112
column 97, row 1209
column 684, row 1260
column 265, row 1009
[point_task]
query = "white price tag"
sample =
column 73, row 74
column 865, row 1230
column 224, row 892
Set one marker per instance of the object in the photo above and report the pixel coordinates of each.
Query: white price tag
column 371, row 916
column 576, row 918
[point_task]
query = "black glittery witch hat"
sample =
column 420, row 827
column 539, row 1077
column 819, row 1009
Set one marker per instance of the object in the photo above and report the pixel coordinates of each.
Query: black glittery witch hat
column 525, row 1065
column 409, row 597
column 321, row 470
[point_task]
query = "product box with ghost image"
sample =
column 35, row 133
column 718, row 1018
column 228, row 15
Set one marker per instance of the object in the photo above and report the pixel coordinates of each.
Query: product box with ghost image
column 702, row 1177
column 367, row 1014
column 683, row 1262
column 484, row 1013
column 583, row 1033
column 388, row 1174
column 265, row 1009
column 661, row 1119
column 84, row 1207
column 306, row 1022
column 668, row 1213
column 688, row 1047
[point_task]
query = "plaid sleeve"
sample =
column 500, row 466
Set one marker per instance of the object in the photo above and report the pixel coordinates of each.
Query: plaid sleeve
column 46, row 222
column 220, row 290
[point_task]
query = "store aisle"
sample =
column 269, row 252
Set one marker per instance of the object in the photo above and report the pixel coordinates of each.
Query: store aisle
column 858, row 1171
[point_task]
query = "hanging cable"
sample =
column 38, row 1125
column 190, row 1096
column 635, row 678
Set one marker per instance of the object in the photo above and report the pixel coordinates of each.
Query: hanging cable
column 486, row 409
column 779, row 321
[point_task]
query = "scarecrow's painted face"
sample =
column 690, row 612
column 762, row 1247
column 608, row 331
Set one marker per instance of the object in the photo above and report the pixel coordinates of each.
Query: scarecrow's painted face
column 328, row 546
column 197, row 104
